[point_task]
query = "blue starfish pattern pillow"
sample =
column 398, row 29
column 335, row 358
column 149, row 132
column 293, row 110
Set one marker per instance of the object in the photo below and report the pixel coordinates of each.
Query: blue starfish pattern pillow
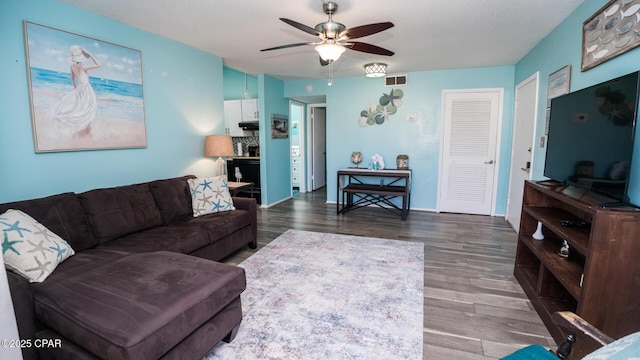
column 210, row 195
column 29, row 248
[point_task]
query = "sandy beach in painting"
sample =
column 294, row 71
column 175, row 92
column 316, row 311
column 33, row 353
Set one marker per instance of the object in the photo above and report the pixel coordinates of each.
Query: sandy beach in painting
column 111, row 128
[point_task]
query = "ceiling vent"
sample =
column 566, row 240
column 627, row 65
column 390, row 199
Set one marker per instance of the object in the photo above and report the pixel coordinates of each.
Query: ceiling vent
column 400, row 80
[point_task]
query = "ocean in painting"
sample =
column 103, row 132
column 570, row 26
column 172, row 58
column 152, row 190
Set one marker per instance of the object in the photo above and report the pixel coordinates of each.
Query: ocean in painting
column 119, row 121
column 116, row 99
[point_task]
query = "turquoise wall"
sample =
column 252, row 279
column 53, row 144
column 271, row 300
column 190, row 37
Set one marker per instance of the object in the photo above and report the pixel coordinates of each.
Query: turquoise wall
column 420, row 140
column 563, row 46
column 234, row 84
column 183, row 98
column 184, row 89
column 275, row 165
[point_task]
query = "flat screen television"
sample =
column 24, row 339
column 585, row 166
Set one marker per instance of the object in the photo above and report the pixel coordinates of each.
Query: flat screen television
column 591, row 137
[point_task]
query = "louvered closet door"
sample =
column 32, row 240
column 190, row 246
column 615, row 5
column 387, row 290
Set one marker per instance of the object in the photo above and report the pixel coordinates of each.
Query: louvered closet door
column 468, row 160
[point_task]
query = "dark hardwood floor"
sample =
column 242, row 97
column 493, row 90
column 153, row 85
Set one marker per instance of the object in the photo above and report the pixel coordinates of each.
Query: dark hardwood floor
column 473, row 306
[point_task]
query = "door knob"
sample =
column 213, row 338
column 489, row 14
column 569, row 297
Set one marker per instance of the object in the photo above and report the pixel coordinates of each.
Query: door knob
column 489, row 162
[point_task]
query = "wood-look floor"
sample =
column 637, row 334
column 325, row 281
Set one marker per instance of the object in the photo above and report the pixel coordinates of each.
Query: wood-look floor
column 473, row 306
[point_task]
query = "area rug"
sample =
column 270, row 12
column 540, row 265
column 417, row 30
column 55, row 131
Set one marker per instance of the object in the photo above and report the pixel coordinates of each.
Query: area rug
column 325, row 296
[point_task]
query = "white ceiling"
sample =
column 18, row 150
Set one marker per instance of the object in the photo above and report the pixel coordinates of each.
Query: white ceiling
column 428, row 34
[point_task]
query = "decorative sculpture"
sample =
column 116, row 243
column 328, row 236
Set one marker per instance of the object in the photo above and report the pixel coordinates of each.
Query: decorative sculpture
column 356, row 158
column 538, row 235
column 377, row 162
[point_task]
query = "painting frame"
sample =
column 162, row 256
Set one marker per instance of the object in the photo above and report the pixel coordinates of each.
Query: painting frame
column 279, row 126
column 559, row 83
column 610, row 32
column 84, row 93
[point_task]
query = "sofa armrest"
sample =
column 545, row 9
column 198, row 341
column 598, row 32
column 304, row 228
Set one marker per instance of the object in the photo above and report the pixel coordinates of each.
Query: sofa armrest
column 250, row 205
column 23, row 307
column 581, row 328
column 586, row 337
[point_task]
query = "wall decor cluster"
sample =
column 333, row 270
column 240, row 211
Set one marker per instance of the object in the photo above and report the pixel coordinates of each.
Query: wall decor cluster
column 611, row 31
column 377, row 114
column 86, row 94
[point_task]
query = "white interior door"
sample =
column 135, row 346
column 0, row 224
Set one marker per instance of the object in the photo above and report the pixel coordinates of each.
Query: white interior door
column 468, row 164
column 523, row 143
column 319, row 176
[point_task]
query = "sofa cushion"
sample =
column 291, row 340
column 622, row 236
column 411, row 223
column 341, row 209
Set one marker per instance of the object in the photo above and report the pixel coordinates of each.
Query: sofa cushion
column 184, row 235
column 29, row 248
column 61, row 214
column 210, row 195
column 181, row 239
column 218, row 225
column 138, row 306
column 172, row 197
column 118, row 211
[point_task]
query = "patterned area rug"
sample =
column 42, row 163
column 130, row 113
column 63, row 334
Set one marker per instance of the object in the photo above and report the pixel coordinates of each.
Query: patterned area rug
column 324, row 296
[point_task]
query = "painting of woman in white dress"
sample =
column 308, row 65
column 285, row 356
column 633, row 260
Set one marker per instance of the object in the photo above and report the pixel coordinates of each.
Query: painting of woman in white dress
column 86, row 94
column 74, row 111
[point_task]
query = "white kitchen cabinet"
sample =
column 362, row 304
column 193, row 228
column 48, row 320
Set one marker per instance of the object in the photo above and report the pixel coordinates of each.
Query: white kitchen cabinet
column 249, row 109
column 232, row 116
column 237, row 111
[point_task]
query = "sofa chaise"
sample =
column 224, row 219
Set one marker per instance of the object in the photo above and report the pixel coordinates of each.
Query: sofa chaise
column 144, row 282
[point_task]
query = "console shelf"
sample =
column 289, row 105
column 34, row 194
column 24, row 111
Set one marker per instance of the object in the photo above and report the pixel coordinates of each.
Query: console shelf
column 599, row 280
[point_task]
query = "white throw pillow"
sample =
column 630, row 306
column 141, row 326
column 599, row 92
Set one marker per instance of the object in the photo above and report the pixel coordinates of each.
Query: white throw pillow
column 29, row 248
column 210, row 195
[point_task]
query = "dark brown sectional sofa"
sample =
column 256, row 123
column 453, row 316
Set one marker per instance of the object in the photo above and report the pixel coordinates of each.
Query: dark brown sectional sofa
column 142, row 284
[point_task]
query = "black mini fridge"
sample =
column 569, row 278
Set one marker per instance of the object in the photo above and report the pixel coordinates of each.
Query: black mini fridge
column 250, row 169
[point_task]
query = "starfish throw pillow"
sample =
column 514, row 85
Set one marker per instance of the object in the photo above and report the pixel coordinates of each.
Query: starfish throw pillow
column 29, row 248
column 210, row 195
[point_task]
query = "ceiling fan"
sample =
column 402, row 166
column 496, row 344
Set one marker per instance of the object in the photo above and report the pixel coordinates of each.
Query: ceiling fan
column 335, row 38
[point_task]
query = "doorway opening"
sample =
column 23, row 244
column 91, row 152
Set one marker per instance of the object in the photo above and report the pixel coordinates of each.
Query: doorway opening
column 308, row 144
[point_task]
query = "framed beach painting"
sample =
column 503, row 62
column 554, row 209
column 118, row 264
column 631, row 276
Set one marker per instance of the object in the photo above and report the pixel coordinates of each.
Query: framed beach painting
column 86, row 94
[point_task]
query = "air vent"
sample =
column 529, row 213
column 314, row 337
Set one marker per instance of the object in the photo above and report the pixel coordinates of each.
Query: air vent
column 400, row 80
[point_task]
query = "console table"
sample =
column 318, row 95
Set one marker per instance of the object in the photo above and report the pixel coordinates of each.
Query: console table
column 364, row 187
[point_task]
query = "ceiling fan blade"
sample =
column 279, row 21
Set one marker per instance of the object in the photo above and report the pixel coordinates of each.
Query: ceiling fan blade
column 368, row 48
column 324, row 62
column 365, row 30
column 288, row 46
column 302, row 27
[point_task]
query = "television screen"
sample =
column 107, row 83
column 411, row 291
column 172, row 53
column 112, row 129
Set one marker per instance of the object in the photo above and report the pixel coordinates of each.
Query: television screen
column 590, row 140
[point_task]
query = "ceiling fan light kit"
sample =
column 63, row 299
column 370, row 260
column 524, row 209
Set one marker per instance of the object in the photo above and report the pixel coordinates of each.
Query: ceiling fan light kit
column 374, row 70
column 330, row 52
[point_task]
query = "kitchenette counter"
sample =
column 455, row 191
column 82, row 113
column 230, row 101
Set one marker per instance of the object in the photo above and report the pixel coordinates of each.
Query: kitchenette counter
column 247, row 157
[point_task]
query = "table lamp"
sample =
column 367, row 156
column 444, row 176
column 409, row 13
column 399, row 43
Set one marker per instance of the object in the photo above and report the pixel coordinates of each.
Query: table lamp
column 219, row 145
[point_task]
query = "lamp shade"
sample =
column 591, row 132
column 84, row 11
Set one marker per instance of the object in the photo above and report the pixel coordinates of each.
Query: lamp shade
column 218, row 145
column 375, row 70
column 330, row 51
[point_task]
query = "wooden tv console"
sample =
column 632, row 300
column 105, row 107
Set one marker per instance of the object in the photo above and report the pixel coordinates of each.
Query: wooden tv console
column 600, row 280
